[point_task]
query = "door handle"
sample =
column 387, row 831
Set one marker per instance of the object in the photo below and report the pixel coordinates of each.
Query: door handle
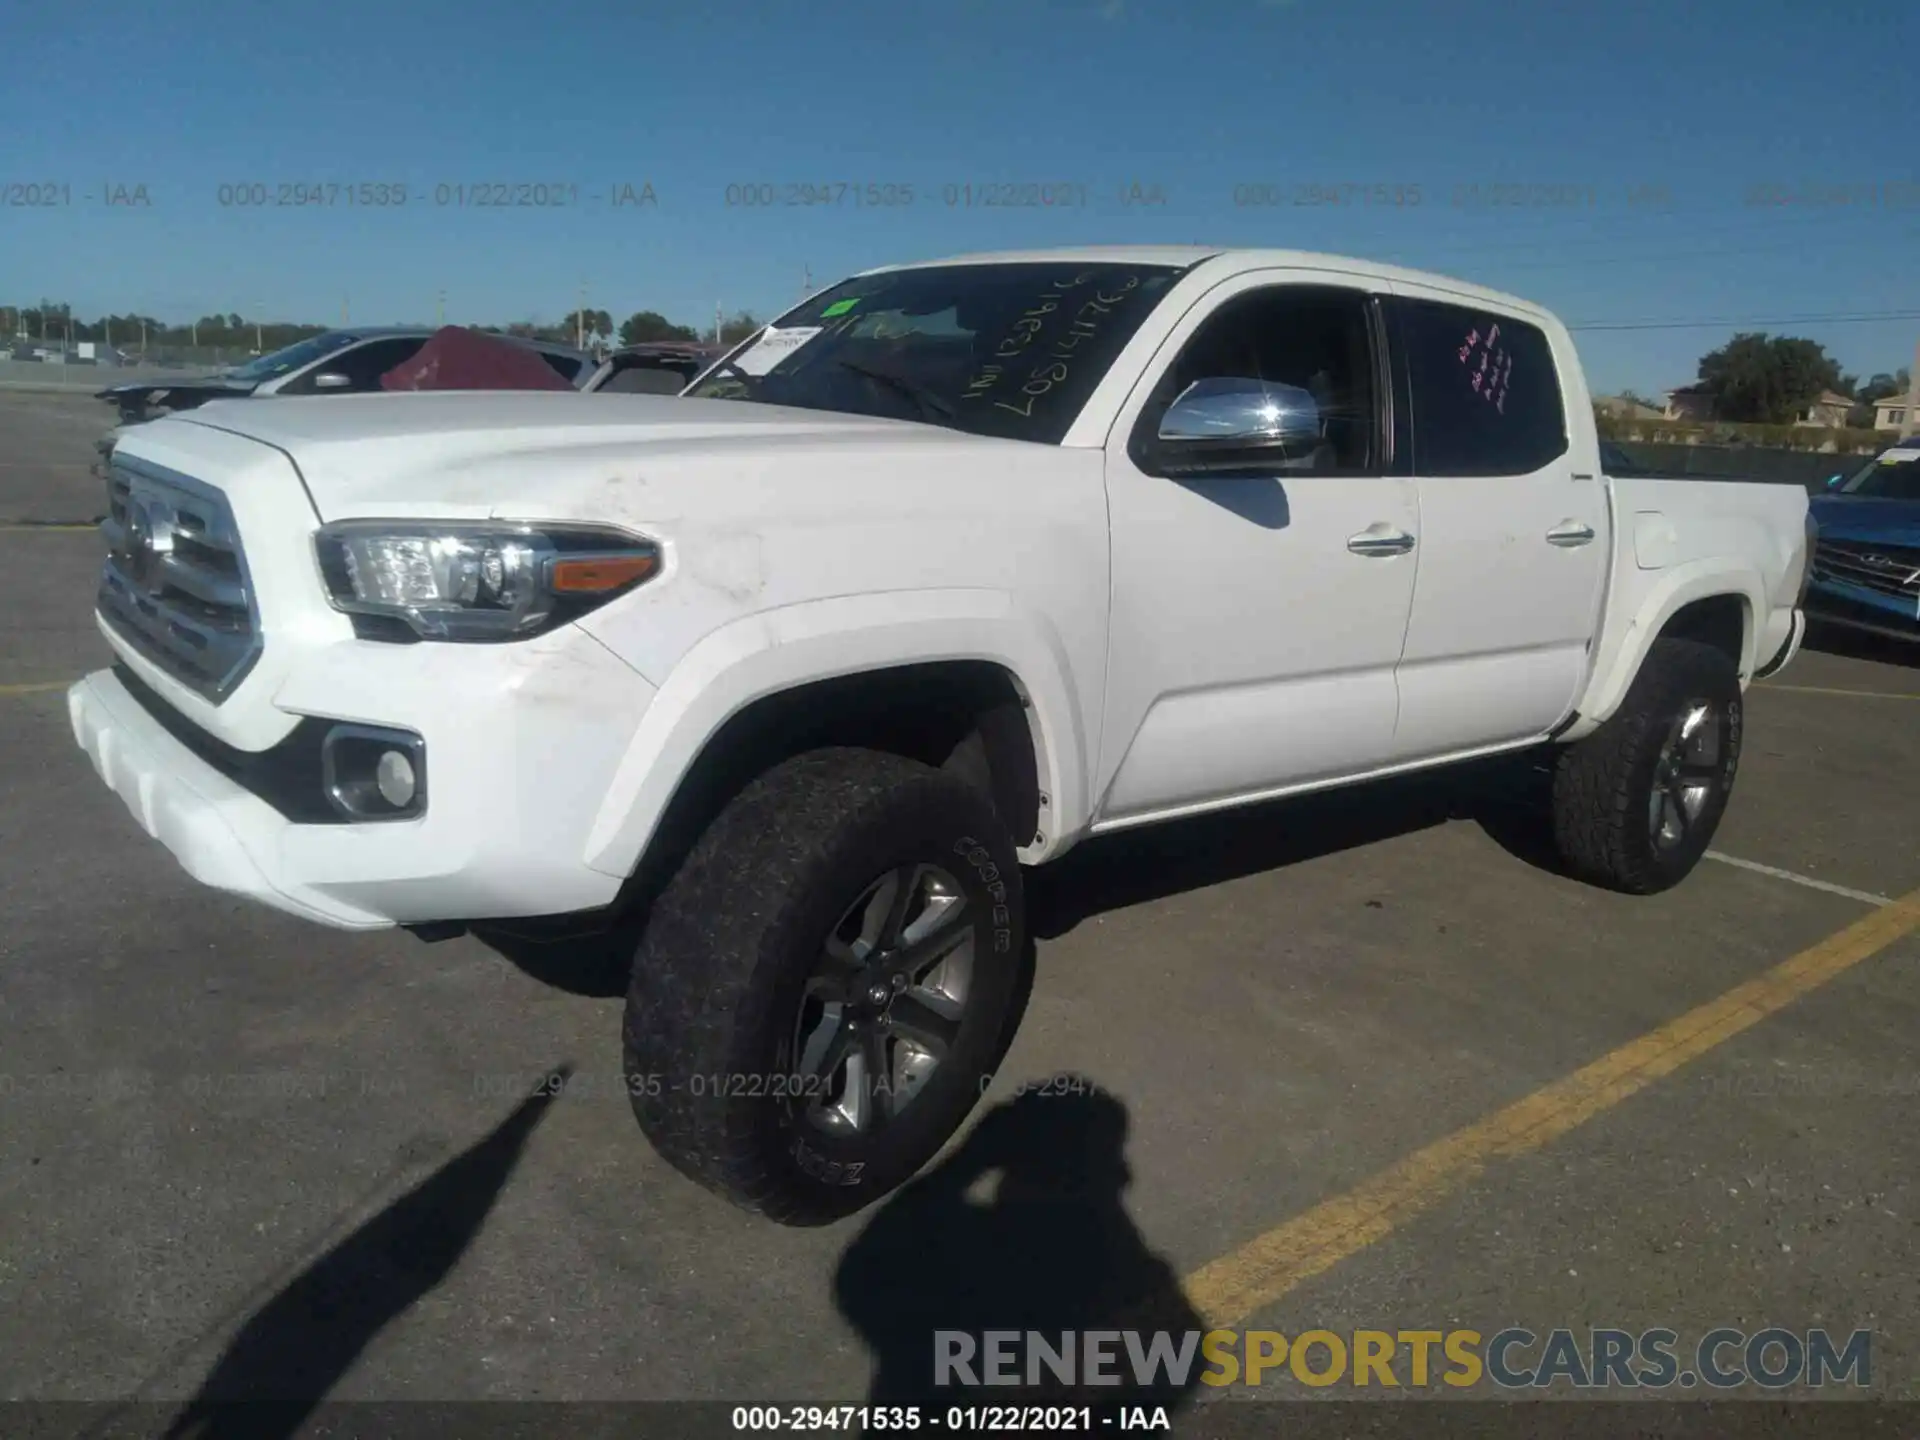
column 1569, row 534
column 1380, row 539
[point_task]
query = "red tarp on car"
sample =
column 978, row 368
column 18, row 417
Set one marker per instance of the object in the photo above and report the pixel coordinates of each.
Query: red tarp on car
column 457, row 358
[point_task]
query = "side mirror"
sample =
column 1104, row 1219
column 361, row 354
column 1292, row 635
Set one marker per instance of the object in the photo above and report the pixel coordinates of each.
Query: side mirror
column 331, row 380
column 1234, row 423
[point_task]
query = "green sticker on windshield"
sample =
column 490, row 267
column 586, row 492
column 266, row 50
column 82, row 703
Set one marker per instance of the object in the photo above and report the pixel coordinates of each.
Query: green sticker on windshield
column 839, row 307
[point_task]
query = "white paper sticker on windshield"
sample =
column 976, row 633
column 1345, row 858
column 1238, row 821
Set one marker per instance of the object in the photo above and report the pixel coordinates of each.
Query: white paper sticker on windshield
column 1896, row 457
column 773, row 347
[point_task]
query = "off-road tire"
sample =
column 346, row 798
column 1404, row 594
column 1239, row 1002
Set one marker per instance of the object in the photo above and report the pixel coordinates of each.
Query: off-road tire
column 719, row 974
column 1603, row 785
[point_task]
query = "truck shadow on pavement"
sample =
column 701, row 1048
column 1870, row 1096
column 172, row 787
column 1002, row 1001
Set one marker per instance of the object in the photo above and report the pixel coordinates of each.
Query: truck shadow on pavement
column 295, row 1348
column 1022, row 1228
column 1505, row 797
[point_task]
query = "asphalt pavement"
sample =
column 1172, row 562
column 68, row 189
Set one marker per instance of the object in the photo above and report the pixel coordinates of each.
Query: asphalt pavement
column 1323, row 1050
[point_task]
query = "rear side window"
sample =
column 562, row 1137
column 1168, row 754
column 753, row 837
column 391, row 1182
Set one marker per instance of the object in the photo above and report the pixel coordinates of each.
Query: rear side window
column 565, row 366
column 1486, row 394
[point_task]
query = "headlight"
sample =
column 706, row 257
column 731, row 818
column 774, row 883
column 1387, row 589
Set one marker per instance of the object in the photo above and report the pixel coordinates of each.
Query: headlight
column 477, row 582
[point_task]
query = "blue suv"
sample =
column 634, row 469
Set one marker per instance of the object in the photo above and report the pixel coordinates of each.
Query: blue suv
column 1866, row 564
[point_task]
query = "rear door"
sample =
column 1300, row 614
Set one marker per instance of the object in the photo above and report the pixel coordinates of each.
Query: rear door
column 1513, row 538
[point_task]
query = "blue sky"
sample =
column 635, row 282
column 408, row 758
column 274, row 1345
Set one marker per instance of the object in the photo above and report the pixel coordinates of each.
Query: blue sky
column 1653, row 125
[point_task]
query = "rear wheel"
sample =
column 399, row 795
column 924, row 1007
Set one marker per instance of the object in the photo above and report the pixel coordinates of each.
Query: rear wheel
column 820, row 992
column 1636, row 803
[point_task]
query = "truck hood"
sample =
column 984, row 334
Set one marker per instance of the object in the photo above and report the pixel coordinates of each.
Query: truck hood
column 1869, row 518
column 474, row 454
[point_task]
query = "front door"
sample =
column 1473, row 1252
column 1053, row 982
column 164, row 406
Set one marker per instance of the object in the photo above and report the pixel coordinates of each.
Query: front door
column 1257, row 619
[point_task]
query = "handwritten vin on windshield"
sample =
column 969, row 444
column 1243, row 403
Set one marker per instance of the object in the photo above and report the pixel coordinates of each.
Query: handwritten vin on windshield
column 1068, row 315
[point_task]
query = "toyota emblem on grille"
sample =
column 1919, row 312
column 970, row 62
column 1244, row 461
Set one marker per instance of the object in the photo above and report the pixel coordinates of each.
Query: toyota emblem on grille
column 149, row 540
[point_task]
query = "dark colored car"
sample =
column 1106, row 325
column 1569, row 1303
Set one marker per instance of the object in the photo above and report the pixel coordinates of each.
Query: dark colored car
column 659, row 368
column 340, row 362
column 1866, row 565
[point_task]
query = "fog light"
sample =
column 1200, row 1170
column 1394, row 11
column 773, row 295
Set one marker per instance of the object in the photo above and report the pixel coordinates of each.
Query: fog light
column 374, row 773
column 394, row 778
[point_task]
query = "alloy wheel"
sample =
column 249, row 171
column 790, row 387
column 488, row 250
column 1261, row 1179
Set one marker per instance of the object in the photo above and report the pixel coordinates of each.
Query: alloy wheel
column 883, row 1005
column 1687, row 774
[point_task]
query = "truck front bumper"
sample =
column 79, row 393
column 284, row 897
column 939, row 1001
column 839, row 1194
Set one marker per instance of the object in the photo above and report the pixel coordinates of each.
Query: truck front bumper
column 515, row 774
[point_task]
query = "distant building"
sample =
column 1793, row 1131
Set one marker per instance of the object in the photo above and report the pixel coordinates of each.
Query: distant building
column 1828, row 412
column 1688, row 402
column 1623, row 408
column 1892, row 412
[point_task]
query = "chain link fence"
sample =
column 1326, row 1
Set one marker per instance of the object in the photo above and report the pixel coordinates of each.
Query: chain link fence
column 69, row 370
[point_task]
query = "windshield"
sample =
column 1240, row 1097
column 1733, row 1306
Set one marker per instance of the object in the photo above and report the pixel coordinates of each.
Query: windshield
column 1894, row 476
column 282, row 362
column 1008, row 350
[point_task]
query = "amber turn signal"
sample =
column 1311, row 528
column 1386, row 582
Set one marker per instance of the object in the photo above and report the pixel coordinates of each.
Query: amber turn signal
column 598, row 574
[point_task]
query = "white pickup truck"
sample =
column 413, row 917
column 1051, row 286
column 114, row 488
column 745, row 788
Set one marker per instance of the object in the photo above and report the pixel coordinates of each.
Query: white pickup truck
column 949, row 569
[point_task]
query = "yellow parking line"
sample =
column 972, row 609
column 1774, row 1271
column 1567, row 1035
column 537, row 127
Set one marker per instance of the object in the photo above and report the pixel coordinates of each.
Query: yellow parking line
column 37, row 688
column 1230, row 1289
column 1823, row 690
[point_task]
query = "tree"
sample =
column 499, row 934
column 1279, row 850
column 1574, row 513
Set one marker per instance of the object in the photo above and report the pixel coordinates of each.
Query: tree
column 1767, row 379
column 648, row 327
column 738, row 328
column 1880, row 387
column 588, row 323
column 1883, row 385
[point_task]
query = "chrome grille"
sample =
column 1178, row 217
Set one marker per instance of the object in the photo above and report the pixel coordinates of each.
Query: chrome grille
column 175, row 582
column 1886, row 569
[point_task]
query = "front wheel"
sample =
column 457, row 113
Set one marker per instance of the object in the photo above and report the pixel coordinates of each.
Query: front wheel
column 1636, row 803
column 822, row 989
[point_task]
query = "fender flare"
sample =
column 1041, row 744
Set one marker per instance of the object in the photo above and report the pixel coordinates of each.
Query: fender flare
column 760, row 655
column 1619, row 660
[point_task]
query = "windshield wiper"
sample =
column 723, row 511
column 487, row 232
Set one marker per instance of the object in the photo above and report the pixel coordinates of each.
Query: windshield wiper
column 933, row 406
